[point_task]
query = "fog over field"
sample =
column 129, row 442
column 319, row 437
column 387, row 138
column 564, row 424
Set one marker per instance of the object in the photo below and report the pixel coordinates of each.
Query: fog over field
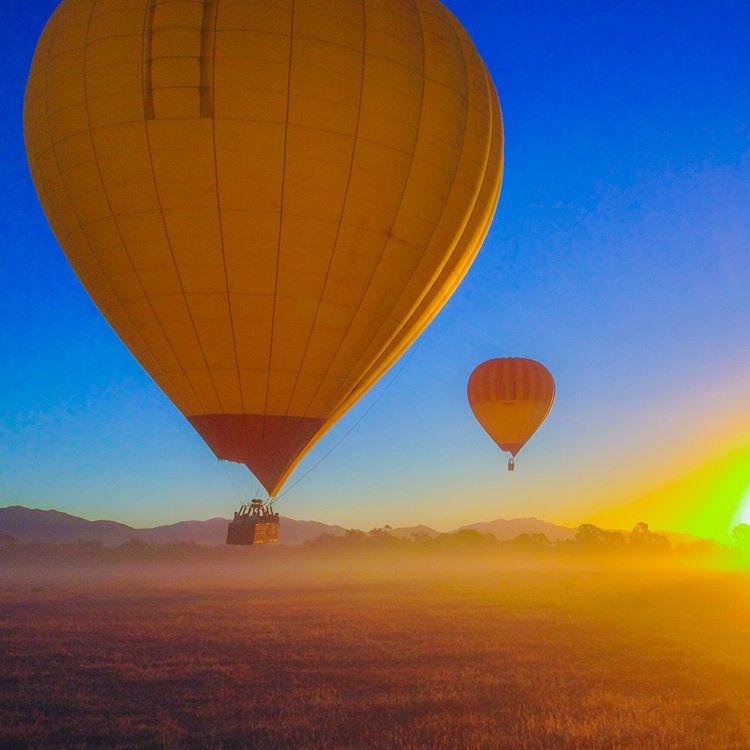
column 355, row 650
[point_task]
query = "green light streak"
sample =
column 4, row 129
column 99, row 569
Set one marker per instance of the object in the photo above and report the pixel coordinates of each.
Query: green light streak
column 715, row 498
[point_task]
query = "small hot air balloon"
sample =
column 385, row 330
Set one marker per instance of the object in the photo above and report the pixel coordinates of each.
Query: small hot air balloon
column 510, row 398
column 268, row 200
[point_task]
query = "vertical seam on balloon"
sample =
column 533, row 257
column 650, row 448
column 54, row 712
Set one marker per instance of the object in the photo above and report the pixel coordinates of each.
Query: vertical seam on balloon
column 403, row 193
column 112, row 213
column 281, row 223
column 529, row 384
column 240, row 453
column 534, row 392
column 529, row 397
column 534, row 384
column 174, row 260
column 148, row 35
column 341, row 218
column 72, row 205
column 436, row 275
column 207, row 81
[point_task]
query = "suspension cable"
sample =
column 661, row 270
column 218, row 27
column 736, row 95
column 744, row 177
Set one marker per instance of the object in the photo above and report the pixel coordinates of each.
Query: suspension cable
column 238, row 488
column 385, row 390
column 228, row 474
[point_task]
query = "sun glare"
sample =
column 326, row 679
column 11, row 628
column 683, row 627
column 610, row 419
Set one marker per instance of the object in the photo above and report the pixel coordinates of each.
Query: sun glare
column 742, row 514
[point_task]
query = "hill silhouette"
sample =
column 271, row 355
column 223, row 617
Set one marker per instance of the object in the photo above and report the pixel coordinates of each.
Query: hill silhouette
column 53, row 526
column 504, row 529
column 33, row 525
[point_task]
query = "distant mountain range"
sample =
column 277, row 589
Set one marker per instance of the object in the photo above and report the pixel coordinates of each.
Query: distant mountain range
column 29, row 524
column 509, row 529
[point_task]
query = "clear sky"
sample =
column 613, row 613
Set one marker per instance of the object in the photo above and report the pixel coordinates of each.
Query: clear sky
column 619, row 257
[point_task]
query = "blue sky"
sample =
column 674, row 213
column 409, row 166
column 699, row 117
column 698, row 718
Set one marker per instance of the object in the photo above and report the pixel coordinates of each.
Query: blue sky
column 619, row 257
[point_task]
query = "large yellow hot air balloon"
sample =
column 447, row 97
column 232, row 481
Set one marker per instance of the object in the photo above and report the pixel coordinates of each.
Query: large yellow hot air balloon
column 510, row 398
column 268, row 200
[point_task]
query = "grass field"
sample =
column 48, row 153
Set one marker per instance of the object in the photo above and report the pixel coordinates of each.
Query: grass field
column 495, row 660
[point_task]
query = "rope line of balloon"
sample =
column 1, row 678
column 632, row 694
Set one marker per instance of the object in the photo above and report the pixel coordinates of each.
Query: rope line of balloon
column 397, row 374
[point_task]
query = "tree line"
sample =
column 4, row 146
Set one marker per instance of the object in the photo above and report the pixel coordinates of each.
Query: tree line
column 588, row 541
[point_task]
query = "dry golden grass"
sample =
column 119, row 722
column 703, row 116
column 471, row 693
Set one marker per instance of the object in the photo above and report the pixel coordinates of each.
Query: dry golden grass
column 496, row 660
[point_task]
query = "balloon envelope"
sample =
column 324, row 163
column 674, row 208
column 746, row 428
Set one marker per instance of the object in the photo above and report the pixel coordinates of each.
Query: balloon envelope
column 268, row 200
column 511, row 397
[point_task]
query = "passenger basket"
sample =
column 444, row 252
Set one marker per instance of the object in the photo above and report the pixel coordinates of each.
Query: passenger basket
column 254, row 523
